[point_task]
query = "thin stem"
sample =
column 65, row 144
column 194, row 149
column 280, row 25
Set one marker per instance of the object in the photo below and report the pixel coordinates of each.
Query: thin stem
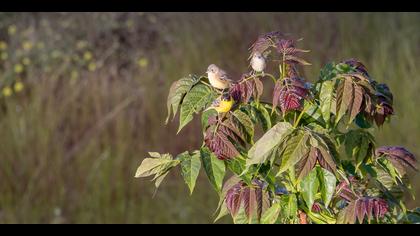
column 271, row 76
column 206, row 83
column 283, row 74
column 300, row 117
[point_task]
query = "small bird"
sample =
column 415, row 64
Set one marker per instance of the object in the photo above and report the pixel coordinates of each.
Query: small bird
column 258, row 63
column 218, row 77
column 222, row 104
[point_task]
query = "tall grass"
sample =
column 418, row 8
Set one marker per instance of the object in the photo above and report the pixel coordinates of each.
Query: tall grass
column 70, row 145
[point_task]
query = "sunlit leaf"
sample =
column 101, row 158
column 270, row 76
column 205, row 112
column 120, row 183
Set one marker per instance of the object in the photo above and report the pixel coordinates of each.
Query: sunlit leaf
column 296, row 148
column 326, row 95
column 309, row 188
column 327, row 183
column 262, row 149
column 177, row 92
column 244, row 124
column 214, row 168
column 199, row 97
column 271, row 215
column 190, row 168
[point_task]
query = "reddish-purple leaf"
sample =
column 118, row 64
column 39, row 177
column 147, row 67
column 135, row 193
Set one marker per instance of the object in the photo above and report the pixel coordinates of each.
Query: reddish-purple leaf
column 356, row 64
column 316, row 207
column 266, row 41
column 356, row 104
column 220, row 145
column 399, row 157
column 307, row 163
column 253, row 198
column 289, row 94
column 245, row 88
column 365, row 207
column 234, row 198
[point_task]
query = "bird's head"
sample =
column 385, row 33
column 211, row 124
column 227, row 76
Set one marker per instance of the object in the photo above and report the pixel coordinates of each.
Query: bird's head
column 212, row 68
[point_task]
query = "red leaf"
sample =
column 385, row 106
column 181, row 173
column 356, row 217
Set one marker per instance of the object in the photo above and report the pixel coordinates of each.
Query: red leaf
column 397, row 155
column 289, row 94
column 356, row 64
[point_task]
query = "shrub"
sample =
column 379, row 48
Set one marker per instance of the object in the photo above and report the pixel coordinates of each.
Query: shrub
column 317, row 161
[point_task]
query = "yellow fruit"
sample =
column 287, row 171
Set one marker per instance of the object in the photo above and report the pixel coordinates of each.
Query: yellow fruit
column 12, row 30
column 18, row 68
column 87, row 56
column 40, row 45
column 3, row 45
column 4, row 56
column 92, row 66
column 26, row 61
column 81, row 44
column 143, row 62
column 7, row 91
column 74, row 74
column 27, row 45
column 18, row 86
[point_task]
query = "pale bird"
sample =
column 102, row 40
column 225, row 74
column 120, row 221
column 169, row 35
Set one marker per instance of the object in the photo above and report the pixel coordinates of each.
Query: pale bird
column 258, row 63
column 218, row 77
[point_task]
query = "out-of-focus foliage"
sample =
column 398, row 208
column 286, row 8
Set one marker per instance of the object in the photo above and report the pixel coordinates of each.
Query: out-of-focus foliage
column 83, row 95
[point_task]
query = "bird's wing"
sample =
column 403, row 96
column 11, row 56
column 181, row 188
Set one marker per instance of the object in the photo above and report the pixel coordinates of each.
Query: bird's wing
column 224, row 76
column 216, row 102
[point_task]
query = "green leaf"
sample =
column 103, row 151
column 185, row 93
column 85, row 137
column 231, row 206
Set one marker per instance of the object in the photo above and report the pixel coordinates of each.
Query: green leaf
column 309, row 188
column 244, row 124
column 362, row 153
column 289, row 205
column 214, row 168
column 328, row 183
column 151, row 166
column 159, row 166
column 271, row 214
column 237, row 166
column 223, row 212
column 190, row 168
column 176, row 93
column 205, row 117
column 199, row 97
column 159, row 179
column 263, row 148
column 325, row 96
column 296, row 149
column 312, row 112
column 263, row 117
column 241, row 217
column 320, row 218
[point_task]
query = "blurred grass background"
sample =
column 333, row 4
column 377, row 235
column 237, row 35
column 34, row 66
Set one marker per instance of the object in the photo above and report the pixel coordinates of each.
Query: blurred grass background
column 83, row 98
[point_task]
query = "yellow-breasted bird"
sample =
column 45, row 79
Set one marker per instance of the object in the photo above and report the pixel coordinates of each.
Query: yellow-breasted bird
column 218, row 78
column 222, row 104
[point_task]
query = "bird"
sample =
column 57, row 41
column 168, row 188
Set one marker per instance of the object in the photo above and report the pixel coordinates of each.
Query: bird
column 258, row 63
column 222, row 104
column 218, row 78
